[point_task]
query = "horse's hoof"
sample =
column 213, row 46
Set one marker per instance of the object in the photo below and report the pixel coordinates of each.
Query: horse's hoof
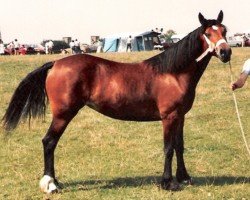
column 170, row 185
column 189, row 181
column 184, row 178
column 47, row 185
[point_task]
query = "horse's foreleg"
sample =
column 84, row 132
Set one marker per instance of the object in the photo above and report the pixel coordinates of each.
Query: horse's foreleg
column 48, row 183
column 169, row 124
column 181, row 172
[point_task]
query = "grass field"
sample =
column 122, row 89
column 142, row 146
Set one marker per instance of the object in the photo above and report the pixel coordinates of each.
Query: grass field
column 102, row 158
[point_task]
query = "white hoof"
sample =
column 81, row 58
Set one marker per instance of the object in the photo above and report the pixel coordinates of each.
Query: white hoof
column 47, row 184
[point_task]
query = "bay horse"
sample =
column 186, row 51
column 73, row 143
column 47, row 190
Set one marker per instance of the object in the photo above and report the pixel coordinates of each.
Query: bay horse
column 159, row 88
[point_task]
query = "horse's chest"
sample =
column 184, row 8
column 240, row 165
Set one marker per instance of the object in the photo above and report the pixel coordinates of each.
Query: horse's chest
column 173, row 93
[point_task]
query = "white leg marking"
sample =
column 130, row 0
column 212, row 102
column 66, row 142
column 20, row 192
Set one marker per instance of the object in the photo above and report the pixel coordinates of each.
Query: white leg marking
column 47, row 184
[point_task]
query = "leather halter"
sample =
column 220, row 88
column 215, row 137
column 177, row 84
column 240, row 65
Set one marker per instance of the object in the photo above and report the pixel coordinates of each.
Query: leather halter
column 211, row 47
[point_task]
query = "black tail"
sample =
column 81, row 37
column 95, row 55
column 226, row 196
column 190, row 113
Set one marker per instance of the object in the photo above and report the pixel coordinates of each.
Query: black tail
column 29, row 99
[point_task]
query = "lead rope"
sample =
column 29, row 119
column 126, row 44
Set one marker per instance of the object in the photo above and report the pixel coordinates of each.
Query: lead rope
column 238, row 114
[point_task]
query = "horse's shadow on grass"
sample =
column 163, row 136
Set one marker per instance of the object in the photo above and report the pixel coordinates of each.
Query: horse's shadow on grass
column 139, row 181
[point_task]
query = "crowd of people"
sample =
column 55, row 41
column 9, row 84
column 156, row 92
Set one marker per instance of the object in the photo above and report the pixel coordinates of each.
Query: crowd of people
column 48, row 47
column 12, row 47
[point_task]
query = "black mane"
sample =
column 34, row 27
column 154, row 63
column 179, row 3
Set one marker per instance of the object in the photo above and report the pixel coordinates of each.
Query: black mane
column 177, row 57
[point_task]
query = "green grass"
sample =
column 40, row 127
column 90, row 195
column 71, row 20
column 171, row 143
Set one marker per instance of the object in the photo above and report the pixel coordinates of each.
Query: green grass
column 102, row 158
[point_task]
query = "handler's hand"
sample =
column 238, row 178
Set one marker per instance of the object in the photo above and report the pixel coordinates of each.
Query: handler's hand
column 240, row 82
column 236, row 85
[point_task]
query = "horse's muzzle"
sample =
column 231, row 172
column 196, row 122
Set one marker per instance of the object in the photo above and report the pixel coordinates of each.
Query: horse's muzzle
column 225, row 54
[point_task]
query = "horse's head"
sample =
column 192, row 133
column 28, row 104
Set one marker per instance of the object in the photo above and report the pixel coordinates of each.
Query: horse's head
column 214, row 37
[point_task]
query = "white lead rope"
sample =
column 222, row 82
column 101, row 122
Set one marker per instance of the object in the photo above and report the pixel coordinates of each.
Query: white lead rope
column 238, row 114
column 211, row 48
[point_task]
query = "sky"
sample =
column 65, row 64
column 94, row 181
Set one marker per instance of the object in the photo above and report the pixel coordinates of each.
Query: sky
column 31, row 21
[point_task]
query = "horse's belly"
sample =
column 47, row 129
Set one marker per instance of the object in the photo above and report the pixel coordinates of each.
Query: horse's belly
column 140, row 111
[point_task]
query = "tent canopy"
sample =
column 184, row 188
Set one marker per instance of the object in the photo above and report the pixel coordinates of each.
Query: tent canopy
column 140, row 42
column 110, row 44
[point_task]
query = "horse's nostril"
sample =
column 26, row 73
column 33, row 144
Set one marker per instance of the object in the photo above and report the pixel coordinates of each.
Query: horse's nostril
column 222, row 52
column 225, row 54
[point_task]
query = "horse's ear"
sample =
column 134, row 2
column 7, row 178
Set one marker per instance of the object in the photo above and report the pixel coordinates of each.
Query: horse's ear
column 202, row 20
column 220, row 17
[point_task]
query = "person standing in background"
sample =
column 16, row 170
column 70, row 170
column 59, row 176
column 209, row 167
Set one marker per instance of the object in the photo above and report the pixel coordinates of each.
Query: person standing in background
column 129, row 46
column 99, row 46
column 1, row 47
column 77, row 46
column 16, row 46
column 51, row 45
column 72, row 46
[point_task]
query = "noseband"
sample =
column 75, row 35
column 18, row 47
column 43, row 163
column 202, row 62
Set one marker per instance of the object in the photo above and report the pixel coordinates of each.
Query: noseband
column 211, row 47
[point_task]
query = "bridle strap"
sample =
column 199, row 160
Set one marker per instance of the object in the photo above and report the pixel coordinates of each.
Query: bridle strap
column 211, row 47
column 221, row 41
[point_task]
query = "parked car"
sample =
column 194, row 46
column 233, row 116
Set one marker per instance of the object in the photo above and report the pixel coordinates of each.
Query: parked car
column 177, row 37
column 8, row 51
column 39, row 49
column 26, row 50
column 167, row 43
column 59, row 45
column 233, row 42
column 86, row 48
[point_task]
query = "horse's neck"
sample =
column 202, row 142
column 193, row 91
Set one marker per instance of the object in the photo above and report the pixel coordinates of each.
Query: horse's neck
column 201, row 67
column 192, row 74
column 195, row 69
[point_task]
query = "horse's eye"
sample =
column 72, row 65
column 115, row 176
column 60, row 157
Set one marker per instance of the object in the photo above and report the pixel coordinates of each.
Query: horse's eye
column 208, row 34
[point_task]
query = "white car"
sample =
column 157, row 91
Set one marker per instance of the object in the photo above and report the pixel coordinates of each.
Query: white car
column 233, row 42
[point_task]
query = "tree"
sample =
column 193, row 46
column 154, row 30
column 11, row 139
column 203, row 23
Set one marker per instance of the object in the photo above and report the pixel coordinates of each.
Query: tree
column 169, row 34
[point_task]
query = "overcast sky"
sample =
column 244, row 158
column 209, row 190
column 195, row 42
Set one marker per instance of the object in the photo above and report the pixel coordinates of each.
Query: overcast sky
column 35, row 20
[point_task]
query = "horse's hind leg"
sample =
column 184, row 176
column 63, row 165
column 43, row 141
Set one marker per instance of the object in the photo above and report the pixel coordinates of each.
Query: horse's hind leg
column 50, row 140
